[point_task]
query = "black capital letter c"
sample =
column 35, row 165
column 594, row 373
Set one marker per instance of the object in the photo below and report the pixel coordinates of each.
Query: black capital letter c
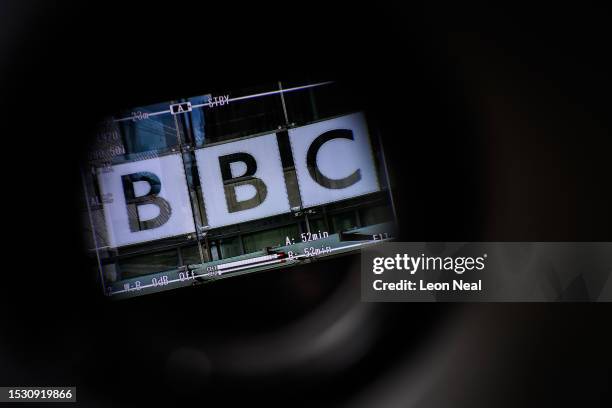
column 311, row 161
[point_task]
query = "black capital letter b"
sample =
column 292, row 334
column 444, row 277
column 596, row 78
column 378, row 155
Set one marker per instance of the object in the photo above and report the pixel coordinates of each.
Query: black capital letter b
column 133, row 202
column 230, row 183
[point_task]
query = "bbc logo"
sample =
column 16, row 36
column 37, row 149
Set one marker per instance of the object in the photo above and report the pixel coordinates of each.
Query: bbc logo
column 241, row 180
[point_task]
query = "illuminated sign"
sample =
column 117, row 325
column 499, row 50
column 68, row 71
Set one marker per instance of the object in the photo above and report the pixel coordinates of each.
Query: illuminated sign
column 145, row 200
column 333, row 160
column 241, row 180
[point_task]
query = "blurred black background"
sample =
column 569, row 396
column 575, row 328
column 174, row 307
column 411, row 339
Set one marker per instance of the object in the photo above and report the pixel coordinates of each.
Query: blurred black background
column 497, row 127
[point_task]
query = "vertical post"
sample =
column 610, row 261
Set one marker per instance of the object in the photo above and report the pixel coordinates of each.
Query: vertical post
column 198, row 233
column 93, row 230
column 384, row 163
column 307, row 223
column 313, row 105
column 280, row 87
column 205, row 245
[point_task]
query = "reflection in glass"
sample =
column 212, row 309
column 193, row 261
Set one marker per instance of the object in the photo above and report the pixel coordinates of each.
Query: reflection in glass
column 191, row 255
column 375, row 215
column 344, row 221
column 154, row 133
column 270, row 238
column 146, row 264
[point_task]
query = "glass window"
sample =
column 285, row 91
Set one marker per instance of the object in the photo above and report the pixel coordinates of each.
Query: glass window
column 301, row 106
column 375, row 215
column 320, row 102
column 229, row 247
column 197, row 120
column 343, row 221
column 317, row 224
column 191, row 255
column 147, row 264
column 270, row 238
column 150, row 134
column 245, row 117
column 214, row 250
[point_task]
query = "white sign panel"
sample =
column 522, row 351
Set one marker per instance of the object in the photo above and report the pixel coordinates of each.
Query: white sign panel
column 145, row 200
column 242, row 181
column 333, row 160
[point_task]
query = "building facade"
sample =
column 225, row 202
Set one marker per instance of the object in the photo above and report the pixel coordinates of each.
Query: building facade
column 184, row 128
